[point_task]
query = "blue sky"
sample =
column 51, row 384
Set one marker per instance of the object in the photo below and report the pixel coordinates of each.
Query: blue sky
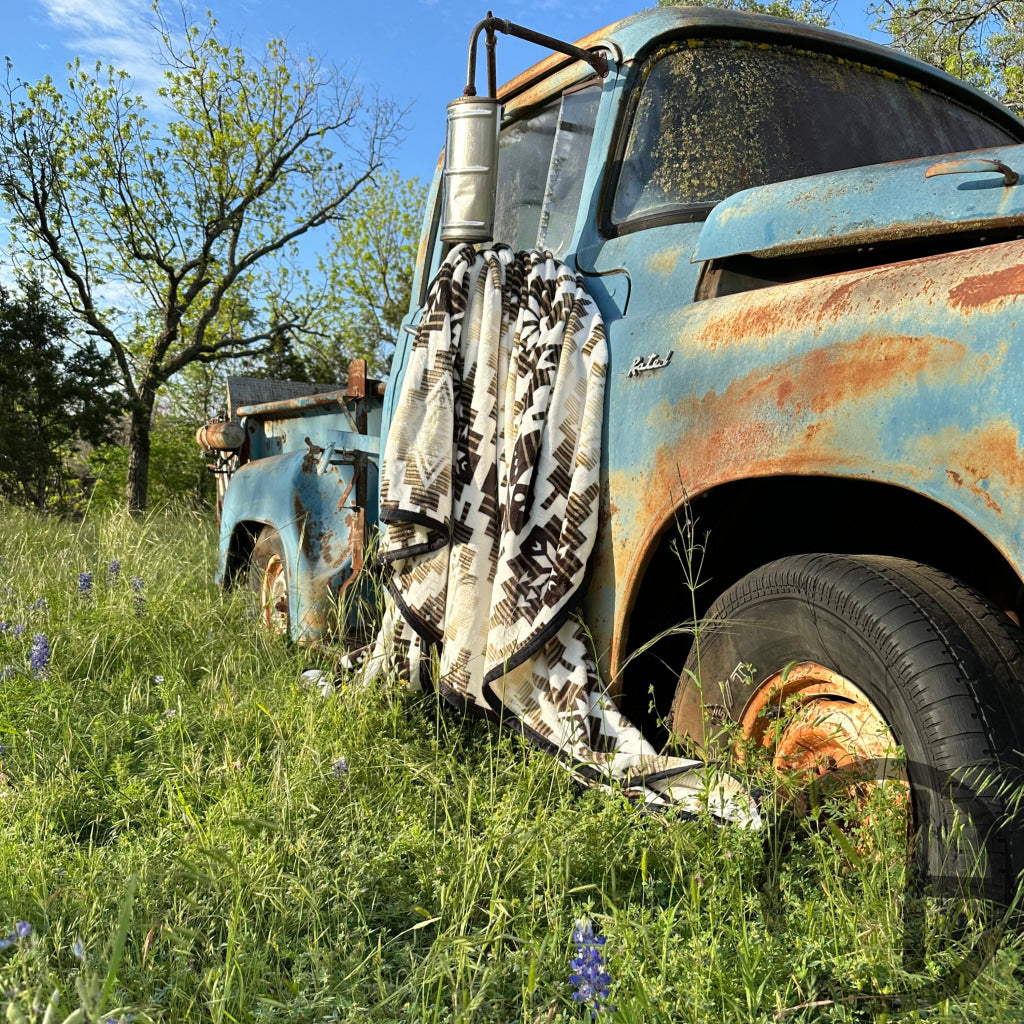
column 412, row 50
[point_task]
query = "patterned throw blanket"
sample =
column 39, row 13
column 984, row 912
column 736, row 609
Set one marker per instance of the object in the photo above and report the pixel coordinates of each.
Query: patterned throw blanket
column 489, row 491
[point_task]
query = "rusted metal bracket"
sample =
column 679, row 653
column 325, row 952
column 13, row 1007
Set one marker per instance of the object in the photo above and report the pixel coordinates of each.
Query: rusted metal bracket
column 979, row 166
column 490, row 24
column 359, row 385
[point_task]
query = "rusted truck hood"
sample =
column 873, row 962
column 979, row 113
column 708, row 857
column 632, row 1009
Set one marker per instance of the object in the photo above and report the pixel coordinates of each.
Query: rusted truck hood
column 866, row 205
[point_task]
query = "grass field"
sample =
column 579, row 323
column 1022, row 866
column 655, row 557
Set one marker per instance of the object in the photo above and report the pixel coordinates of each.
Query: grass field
column 195, row 836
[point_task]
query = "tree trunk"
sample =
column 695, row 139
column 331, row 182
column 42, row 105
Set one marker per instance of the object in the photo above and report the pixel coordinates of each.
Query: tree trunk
column 138, row 450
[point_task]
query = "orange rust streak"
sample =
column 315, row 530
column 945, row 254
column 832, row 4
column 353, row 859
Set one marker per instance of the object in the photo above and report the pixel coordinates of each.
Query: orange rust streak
column 818, row 381
column 991, row 453
column 343, row 500
column 762, row 316
column 733, row 435
column 547, row 87
column 982, row 290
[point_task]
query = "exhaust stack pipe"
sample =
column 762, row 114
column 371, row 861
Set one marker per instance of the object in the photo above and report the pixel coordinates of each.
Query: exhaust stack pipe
column 470, row 174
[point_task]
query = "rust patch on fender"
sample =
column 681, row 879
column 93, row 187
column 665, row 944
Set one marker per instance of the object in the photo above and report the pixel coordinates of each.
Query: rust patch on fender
column 982, row 290
column 824, row 378
column 326, row 552
column 775, row 420
column 987, row 461
column 780, row 419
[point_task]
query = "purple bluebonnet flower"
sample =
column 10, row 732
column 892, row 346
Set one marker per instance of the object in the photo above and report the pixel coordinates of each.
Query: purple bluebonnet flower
column 590, row 977
column 158, row 679
column 7, row 672
column 39, row 655
column 113, row 570
column 170, row 713
column 39, row 605
column 22, row 930
column 19, row 629
column 138, row 584
column 4, row 626
column 78, row 949
column 340, row 768
column 85, row 583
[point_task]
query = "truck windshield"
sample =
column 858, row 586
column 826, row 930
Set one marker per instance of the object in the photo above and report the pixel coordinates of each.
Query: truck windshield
column 717, row 116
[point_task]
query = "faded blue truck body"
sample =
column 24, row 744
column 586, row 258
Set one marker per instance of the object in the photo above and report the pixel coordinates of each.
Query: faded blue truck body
column 318, row 496
column 867, row 395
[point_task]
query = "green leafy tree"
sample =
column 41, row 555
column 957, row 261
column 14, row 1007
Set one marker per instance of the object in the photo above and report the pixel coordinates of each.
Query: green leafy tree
column 174, row 235
column 368, row 275
column 814, row 12
column 54, row 392
column 980, row 41
column 281, row 360
column 177, row 468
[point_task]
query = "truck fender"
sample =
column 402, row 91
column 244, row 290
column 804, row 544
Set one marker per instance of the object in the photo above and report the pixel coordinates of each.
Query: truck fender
column 313, row 505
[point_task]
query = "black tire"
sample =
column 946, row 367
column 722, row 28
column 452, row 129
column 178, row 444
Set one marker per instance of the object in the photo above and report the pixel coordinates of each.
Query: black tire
column 269, row 581
column 940, row 664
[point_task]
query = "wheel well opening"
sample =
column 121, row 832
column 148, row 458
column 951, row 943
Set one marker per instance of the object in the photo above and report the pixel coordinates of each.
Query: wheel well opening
column 734, row 528
column 243, row 540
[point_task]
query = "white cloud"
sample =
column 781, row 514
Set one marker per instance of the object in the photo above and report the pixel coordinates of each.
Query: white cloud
column 116, row 32
column 89, row 15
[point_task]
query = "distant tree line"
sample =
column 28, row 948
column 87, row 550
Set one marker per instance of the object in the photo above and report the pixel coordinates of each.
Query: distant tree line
column 178, row 237
column 57, row 394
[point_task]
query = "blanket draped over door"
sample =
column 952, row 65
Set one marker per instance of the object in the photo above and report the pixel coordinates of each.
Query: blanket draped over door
column 489, row 491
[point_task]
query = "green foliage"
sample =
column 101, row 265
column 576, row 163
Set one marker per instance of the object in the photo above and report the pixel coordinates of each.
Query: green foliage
column 814, row 12
column 174, row 235
column 979, row 41
column 433, row 875
column 55, row 391
column 177, row 471
column 369, row 275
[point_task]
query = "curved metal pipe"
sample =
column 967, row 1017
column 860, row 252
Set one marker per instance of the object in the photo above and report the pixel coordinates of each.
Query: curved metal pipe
column 490, row 24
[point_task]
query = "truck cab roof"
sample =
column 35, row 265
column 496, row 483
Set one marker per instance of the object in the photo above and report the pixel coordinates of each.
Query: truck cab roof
column 632, row 38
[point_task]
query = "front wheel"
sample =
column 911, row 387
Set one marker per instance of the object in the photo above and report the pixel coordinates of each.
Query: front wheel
column 268, row 581
column 833, row 661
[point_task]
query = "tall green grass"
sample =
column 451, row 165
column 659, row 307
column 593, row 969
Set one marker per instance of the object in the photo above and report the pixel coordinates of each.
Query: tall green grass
column 174, row 799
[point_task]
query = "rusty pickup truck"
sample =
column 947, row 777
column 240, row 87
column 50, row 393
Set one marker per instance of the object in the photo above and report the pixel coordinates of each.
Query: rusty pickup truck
column 808, row 251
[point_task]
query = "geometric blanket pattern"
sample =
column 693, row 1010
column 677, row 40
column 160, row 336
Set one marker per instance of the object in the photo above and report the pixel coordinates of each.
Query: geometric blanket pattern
column 489, row 495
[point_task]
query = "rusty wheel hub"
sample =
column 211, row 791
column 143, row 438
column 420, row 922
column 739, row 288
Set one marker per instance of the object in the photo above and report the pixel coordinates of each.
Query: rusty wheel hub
column 818, row 725
column 274, row 595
